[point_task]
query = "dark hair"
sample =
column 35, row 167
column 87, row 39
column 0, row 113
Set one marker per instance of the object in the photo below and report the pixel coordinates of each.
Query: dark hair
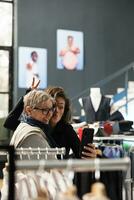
column 34, row 52
column 55, row 92
column 70, row 36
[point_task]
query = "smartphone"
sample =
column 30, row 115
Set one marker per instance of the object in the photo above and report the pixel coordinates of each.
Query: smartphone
column 87, row 137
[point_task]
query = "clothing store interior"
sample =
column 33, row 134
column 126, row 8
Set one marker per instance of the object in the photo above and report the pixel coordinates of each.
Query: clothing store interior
column 67, row 100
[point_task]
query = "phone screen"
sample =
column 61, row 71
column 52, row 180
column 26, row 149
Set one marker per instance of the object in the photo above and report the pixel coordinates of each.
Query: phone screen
column 87, row 137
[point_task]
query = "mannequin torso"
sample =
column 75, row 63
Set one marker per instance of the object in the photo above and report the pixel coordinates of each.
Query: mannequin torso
column 96, row 106
column 95, row 96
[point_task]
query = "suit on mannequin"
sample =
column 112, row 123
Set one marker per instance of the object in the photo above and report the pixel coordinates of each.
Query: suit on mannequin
column 96, row 106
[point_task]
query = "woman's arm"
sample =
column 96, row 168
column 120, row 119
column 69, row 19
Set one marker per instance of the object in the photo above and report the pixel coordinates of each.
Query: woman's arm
column 90, row 151
column 12, row 120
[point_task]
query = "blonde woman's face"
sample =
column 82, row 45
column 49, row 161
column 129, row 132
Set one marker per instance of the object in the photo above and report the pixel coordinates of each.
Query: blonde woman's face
column 59, row 111
column 43, row 111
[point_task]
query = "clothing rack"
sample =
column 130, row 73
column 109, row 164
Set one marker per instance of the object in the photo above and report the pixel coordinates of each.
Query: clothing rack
column 71, row 164
column 10, row 153
column 36, row 151
column 52, row 151
column 114, row 137
column 78, row 165
column 11, row 169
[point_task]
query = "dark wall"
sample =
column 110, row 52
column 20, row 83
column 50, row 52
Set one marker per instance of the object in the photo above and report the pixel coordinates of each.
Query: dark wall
column 108, row 37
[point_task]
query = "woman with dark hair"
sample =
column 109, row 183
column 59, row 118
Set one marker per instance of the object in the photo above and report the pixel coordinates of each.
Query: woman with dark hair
column 58, row 92
column 61, row 130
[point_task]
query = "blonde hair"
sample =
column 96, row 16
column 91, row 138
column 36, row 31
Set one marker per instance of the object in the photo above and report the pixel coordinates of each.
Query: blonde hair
column 34, row 97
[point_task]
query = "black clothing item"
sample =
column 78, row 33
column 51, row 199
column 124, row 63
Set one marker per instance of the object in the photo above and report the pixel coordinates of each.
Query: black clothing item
column 103, row 112
column 83, row 182
column 65, row 136
column 116, row 116
column 113, row 182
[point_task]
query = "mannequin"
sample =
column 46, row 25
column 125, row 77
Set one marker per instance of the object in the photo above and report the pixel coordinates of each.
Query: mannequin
column 95, row 96
column 96, row 106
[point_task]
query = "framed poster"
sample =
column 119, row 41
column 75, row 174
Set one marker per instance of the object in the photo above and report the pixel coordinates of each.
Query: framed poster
column 69, row 50
column 32, row 63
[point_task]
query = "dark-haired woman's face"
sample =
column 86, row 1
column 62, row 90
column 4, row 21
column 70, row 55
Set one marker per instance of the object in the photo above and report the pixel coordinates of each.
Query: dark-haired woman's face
column 59, row 111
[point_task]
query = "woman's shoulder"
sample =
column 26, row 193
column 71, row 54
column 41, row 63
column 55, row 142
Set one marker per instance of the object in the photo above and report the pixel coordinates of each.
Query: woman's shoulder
column 65, row 125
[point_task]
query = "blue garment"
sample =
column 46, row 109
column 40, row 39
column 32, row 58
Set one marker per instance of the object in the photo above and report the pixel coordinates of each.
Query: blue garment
column 112, row 151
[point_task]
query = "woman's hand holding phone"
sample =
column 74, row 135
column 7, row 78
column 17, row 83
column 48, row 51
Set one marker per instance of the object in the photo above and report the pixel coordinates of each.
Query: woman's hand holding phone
column 87, row 148
column 89, row 151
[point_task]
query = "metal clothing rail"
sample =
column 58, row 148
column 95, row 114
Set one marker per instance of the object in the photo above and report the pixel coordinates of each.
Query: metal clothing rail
column 41, row 150
column 78, row 165
column 35, row 151
column 11, row 169
column 9, row 152
column 115, row 137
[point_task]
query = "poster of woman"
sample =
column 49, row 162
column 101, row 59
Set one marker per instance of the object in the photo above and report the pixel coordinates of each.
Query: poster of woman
column 69, row 49
column 32, row 63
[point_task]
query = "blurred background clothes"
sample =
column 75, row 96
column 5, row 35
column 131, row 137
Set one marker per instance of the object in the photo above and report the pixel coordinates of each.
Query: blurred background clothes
column 112, row 152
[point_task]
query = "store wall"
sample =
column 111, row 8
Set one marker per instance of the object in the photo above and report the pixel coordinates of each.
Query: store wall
column 108, row 38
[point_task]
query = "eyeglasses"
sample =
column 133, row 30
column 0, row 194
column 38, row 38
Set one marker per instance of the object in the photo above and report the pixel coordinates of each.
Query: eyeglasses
column 45, row 111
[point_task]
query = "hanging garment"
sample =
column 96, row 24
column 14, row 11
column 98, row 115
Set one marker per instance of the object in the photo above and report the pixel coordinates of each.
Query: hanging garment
column 98, row 192
column 112, row 151
column 69, row 194
column 35, row 184
column 103, row 112
column 113, row 180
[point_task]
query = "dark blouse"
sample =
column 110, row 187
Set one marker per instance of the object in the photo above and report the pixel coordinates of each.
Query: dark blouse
column 65, row 136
